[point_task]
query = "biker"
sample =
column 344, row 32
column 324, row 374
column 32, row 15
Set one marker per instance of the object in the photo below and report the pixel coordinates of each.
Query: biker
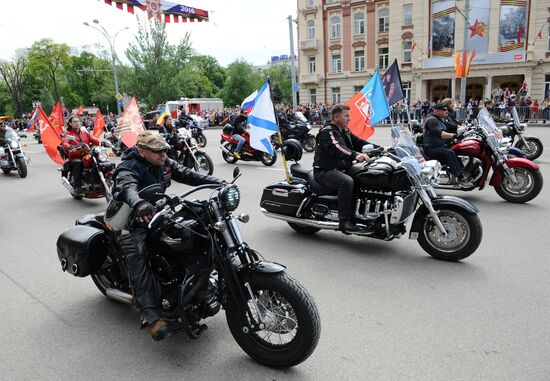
column 239, row 129
column 436, row 137
column 183, row 119
column 144, row 165
column 335, row 150
column 450, row 121
column 72, row 148
column 165, row 128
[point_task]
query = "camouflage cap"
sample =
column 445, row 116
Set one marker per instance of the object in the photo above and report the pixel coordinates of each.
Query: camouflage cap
column 151, row 141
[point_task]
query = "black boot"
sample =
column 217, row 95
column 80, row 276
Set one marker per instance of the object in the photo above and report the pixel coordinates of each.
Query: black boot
column 349, row 227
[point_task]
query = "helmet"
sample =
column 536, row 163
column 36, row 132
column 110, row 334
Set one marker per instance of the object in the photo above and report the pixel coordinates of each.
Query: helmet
column 292, row 149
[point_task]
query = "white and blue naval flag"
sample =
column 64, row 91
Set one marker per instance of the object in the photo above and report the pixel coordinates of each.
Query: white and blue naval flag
column 262, row 121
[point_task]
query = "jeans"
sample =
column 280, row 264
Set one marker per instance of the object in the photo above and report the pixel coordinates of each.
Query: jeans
column 338, row 181
column 241, row 141
column 145, row 287
column 446, row 156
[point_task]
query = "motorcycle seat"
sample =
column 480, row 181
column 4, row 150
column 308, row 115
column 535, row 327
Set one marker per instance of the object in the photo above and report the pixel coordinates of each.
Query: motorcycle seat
column 307, row 174
column 92, row 220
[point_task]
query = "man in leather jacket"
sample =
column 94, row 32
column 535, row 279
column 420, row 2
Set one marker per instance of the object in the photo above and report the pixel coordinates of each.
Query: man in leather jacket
column 141, row 166
column 239, row 129
column 436, row 138
column 335, row 150
column 71, row 142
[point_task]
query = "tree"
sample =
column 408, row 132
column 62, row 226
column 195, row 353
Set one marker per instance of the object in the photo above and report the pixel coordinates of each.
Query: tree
column 240, row 82
column 50, row 60
column 280, row 79
column 14, row 75
column 91, row 79
column 211, row 70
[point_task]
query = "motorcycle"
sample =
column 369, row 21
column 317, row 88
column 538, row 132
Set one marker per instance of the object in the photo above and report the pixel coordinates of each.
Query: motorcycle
column 185, row 151
column 202, row 265
column 298, row 130
column 515, row 131
column 116, row 144
column 97, row 173
column 195, row 128
column 389, row 189
column 12, row 156
column 248, row 153
column 37, row 136
column 515, row 178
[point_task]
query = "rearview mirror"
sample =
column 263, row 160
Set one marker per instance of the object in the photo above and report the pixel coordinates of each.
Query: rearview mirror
column 236, row 172
column 152, row 192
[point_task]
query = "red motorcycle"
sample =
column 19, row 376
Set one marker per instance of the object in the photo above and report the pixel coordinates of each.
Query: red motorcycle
column 515, row 179
column 248, row 153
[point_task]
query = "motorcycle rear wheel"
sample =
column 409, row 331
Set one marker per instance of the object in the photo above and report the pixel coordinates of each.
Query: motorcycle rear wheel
column 268, row 160
column 289, row 312
column 464, row 235
column 309, row 143
column 529, row 179
column 204, row 164
column 534, row 148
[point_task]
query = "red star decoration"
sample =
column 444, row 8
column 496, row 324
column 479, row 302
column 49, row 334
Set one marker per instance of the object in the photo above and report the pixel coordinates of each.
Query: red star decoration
column 479, row 28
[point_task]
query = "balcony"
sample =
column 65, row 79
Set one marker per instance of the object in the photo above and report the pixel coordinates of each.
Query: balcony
column 309, row 78
column 309, row 45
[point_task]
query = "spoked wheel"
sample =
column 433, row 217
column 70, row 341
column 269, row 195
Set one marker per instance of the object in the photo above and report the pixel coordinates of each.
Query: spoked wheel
column 463, row 236
column 268, row 160
column 533, row 149
column 309, row 143
column 201, row 140
column 203, row 164
column 229, row 158
column 290, row 325
column 528, row 186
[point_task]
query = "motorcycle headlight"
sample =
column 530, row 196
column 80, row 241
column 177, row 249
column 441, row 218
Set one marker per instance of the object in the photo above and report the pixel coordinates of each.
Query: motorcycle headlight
column 522, row 126
column 102, row 157
column 230, row 196
column 14, row 145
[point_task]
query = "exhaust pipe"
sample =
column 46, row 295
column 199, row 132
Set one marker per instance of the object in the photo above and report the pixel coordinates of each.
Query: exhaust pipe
column 67, row 185
column 314, row 224
column 119, row 296
column 222, row 147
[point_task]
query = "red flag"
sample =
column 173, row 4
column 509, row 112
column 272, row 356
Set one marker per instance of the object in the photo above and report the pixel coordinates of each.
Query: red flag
column 99, row 124
column 50, row 138
column 539, row 35
column 359, row 124
column 80, row 110
column 130, row 125
column 56, row 117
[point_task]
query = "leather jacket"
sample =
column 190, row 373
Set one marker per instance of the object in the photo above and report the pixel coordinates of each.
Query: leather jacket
column 81, row 136
column 135, row 173
column 336, row 149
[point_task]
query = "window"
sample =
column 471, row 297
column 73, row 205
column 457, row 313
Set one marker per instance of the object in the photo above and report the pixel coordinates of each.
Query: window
column 407, row 51
column 384, row 20
column 407, row 91
column 313, row 96
column 547, row 87
column 310, row 3
column 310, row 29
column 383, row 57
column 407, row 14
column 335, row 27
column 311, row 65
column 357, row 89
column 359, row 23
column 336, row 63
column 335, row 95
column 359, row 60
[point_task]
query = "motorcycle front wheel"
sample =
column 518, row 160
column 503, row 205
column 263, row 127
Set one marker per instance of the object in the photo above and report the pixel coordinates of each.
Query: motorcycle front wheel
column 528, row 186
column 229, row 158
column 309, row 143
column 533, row 149
column 464, row 233
column 292, row 325
column 21, row 167
column 203, row 163
column 201, row 140
column 268, row 160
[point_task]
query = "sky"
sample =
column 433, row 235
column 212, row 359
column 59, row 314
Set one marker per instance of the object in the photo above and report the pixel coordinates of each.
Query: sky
column 251, row 29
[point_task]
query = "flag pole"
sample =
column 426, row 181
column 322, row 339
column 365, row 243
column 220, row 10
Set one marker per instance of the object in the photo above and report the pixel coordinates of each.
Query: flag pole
column 287, row 173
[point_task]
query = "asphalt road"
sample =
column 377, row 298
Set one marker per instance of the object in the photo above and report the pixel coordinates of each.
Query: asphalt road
column 388, row 310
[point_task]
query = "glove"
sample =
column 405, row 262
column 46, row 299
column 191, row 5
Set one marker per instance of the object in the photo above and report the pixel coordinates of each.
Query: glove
column 144, row 211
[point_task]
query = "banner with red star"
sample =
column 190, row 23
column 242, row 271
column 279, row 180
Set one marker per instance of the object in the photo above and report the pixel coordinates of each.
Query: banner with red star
column 478, row 24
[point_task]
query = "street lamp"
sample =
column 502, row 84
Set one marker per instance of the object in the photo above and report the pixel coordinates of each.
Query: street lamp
column 111, row 41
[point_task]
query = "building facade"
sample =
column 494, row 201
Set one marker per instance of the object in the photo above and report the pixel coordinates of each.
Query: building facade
column 342, row 42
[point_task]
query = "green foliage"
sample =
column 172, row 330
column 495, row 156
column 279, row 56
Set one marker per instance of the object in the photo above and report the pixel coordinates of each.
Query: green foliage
column 281, row 83
column 51, row 61
column 240, row 82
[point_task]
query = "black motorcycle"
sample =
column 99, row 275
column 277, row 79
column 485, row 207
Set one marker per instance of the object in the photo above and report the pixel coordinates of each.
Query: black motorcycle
column 389, row 189
column 12, row 156
column 531, row 146
column 202, row 264
column 196, row 131
column 186, row 152
column 298, row 128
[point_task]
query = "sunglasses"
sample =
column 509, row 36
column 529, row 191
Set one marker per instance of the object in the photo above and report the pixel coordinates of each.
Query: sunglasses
column 159, row 152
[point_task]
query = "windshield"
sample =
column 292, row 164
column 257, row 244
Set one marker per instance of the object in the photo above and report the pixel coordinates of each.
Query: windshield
column 300, row 116
column 486, row 121
column 515, row 116
column 405, row 147
column 11, row 134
